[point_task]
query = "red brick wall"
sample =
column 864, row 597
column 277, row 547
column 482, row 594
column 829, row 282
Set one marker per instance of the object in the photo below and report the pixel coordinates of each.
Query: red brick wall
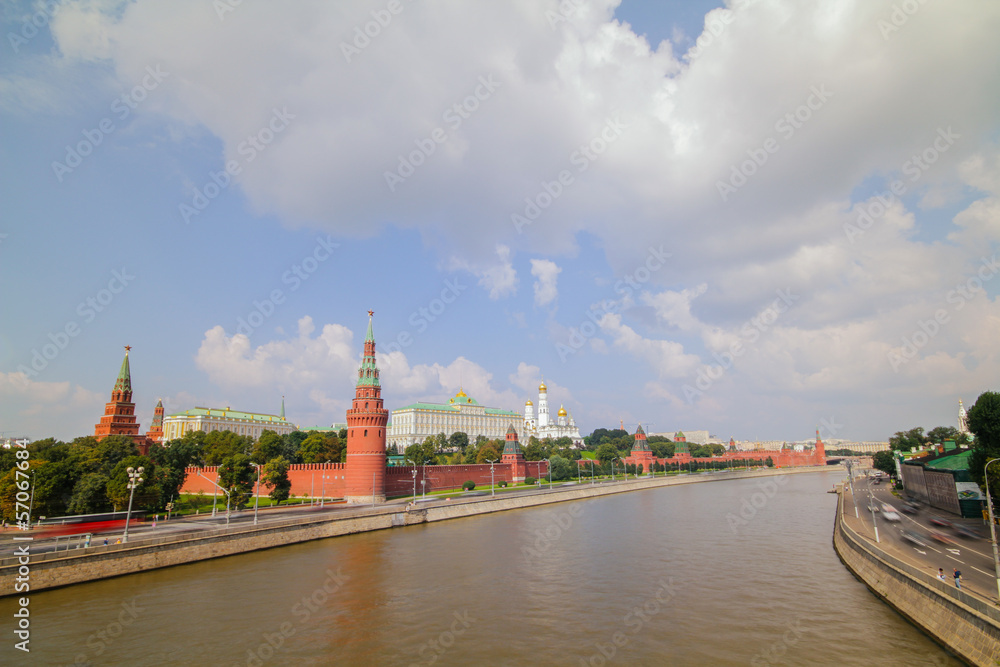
column 307, row 478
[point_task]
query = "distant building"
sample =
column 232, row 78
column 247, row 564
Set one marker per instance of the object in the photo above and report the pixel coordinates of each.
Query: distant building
column 563, row 426
column 963, row 420
column 694, row 437
column 251, row 424
column 413, row 423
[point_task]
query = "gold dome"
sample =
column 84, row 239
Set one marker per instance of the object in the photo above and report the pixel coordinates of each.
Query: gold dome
column 461, row 393
column 562, row 411
column 526, row 403
column 542, row 387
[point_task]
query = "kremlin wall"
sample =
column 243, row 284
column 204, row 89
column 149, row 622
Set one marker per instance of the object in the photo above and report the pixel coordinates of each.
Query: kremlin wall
column 365, row 478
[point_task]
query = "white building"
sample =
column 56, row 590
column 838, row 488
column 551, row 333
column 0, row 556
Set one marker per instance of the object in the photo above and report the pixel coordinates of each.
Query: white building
column 695, row 437
column 412, row 424
column 225, row 419
column 563, row 426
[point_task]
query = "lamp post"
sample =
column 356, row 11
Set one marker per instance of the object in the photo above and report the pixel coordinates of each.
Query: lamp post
column 613, row 469
column 217, row 487
column 993, row 528
column 538, row 465
column 134, row 480
column 414, row 481
column 256, row 493
column 591, row 471
column 322, row 493
column 871, row 506
column 493, row 491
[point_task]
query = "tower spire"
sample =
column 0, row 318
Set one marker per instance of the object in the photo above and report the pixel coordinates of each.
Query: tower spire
column 282, row 406
column 124, row 381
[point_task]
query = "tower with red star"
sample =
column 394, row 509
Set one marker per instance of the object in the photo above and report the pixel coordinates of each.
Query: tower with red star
column 366, row 422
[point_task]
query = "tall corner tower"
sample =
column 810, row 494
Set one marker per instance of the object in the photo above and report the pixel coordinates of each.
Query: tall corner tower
column 119, row 414
column 366, row 421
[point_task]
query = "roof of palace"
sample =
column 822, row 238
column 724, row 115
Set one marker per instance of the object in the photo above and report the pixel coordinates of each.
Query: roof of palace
column 227, row 413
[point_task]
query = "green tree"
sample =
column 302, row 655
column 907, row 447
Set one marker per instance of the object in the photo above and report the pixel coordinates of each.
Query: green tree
column 146, row 493
column 984, row 422
column 293, row 441
column 220, row 445
column 883, row 461
column 237, row 476
column 322, row 447
column 906, row 440
column 662, row 449
column 487, row 452
column 459, row 440
column 562, row 469
column 171, row 463
column 533, row 451
column 268, row 446
column 423, row 451
column 605, row 453
column 90, row 495
column 114, row 449
column 275, row 476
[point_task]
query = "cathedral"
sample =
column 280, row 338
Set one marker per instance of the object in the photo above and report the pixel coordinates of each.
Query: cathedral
column 543, row 426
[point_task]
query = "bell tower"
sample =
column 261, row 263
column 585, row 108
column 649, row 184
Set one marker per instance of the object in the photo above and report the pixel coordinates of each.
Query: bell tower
column 366, row 421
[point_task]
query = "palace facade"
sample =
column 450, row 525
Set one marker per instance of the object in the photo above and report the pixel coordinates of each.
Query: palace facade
column 413, row 423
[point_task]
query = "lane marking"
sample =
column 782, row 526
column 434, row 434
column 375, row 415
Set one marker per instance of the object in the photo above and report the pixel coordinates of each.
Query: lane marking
column 956, row 560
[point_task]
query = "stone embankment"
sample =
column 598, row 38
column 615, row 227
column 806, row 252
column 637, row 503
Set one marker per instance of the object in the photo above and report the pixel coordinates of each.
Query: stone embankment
column 966, row 624
column 51, row 570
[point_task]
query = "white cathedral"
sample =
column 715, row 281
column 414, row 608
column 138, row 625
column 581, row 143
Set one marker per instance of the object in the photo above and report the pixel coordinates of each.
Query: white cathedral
column 544, row 427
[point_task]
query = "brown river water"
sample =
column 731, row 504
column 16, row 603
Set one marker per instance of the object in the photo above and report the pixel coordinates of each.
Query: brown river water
column 723, row 573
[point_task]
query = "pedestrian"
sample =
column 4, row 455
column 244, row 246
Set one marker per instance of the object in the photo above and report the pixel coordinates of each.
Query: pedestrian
column 941, row 574
column 958, row 578
column 105, row 541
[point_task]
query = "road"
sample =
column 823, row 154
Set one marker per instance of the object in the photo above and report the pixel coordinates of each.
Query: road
column 972, row 556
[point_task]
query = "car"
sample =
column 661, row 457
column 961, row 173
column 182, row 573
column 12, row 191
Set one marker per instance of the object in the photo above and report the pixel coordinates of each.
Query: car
column 965, row 531
column 938, row 536
column 891, row 516
column 940, row 521
column 878, row 480
column 908, row 509
column 915, row 538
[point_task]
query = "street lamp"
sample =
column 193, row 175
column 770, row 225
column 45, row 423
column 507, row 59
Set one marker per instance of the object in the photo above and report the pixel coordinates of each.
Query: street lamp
column 993, row 529
column 217, row 487
column 134, row 480
column 591, row 471
column 493, row 490
column 323, row 491
column 414, row 481
column 256, row 494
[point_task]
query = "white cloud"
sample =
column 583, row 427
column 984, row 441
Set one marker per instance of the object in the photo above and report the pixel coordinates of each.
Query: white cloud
column 547, row 273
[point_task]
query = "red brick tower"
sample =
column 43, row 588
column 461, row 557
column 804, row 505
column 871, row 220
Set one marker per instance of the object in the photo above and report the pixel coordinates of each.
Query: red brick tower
column 366, row 422
column 119, row 414
column 513, row 455
column 155, row 432
column 641, row 453
column 820, row 453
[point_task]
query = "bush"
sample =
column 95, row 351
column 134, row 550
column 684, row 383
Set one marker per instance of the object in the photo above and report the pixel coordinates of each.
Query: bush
column 529, row 480
column 469, row 486
column 502, row 484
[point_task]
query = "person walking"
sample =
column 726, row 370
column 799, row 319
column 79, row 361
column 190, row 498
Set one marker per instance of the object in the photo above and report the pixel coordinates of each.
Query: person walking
column 958, row 579
column 941, row 574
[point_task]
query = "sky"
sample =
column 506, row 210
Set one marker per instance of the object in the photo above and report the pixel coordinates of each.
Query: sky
column 756, row 218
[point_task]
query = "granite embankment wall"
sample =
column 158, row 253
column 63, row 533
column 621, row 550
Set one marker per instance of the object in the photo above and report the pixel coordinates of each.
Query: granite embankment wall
column 968, row 625
column 51, row 570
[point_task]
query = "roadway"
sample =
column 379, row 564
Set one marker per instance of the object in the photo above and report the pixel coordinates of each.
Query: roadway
column 972, row 556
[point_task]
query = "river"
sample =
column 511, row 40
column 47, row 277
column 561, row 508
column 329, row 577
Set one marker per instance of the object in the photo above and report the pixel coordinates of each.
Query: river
column 722, row 573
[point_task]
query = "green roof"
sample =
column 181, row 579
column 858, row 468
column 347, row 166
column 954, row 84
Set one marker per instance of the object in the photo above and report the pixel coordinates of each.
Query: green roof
column 124, row 381
column 953, row 462
column 451, row 407
column 230, row 414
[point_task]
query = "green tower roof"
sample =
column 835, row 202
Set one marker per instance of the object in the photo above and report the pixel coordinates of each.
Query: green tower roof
column 124, row 381
column 368, row 373
column 511, row 447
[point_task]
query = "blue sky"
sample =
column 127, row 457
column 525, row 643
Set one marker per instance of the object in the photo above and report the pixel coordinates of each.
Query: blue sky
column 718, row 163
